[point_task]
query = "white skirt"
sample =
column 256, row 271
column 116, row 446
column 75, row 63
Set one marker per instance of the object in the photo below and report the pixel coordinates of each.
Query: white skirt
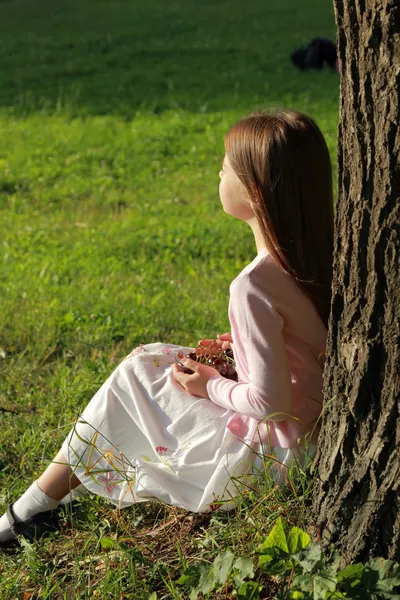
column 143, row 437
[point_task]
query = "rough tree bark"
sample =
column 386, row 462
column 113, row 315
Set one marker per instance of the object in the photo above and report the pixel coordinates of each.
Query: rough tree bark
column 357, row 505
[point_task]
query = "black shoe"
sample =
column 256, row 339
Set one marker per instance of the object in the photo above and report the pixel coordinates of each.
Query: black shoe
column 31, row 529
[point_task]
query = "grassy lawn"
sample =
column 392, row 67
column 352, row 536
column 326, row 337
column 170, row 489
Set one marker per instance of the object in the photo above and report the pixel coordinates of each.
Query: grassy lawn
column 112, row 116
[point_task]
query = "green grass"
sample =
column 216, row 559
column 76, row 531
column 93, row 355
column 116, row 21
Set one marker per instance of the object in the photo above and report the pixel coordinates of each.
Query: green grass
column 112, row 117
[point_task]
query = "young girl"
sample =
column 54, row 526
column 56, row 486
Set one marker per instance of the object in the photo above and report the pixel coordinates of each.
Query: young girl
column 153, row 431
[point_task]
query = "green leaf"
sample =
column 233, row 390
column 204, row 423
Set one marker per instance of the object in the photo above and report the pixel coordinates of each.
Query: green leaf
column 190, row 576
column 381, row 575
column 276, row 539
column 274, row 566
column 250, row 590
column 318, row 585
column 351, row 574
column 309, row 557
column 222, row 567
column 69, row 318
column 242, row 567
column 297, row 540
column 153, row 596
column 302, row 583
column 322, row 584
column 200, row 578
column 333, row 563
column 107, row 542
column 184, row 580
column 146, row 458
column 269, row 555
column 207, row 580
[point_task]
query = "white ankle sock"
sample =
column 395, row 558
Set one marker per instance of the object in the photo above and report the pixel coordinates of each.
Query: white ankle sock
column 31, row 503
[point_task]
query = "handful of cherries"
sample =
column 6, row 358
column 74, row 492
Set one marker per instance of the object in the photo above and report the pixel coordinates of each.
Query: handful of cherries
column 221, row 360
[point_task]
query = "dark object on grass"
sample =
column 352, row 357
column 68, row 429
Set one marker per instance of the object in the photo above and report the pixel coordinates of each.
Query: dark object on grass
column 315, row 55
column 34, row 528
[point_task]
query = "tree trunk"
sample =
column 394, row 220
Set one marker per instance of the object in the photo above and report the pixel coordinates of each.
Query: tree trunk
column 357, row 504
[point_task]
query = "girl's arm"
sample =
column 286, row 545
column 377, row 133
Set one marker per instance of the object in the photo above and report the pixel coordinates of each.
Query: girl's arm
column 269, row 391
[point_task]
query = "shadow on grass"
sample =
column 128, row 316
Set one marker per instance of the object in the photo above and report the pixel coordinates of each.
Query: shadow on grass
column 118, row 57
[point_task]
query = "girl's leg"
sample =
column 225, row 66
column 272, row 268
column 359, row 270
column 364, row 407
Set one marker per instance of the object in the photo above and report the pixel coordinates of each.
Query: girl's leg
column 58, row 479
column 43, row 495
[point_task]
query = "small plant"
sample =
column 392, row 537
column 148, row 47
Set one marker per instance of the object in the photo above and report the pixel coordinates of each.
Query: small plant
column 301, row 570
column 307, row 574
column 226, row 568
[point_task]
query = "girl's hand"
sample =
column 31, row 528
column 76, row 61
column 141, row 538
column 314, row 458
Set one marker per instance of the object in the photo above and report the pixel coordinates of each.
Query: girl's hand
column 196, row 382
column 224, row 341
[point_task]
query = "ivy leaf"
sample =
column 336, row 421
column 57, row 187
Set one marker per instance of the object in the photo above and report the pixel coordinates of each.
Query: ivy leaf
column 222, row 567
column 190, row 576
column 318, row 585
column 290, row 543
column 333, row 562
column 270, row 555
column 200, row 578
column 207, row 580
column 250, row 590
column 302, row 583
column 323, row 583
column 297, row 540
column 274, row 565
column 276, row 539
column 242, row 567
column 309, row 557
column 381, row 575
column 351, row 574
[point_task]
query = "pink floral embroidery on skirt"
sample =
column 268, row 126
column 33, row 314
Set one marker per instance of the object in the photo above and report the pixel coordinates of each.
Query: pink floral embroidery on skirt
column 167, row 350
column 136, row 351
column 109, row 480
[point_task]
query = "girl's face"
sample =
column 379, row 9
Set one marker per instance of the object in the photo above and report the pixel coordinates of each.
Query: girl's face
column 234, row 197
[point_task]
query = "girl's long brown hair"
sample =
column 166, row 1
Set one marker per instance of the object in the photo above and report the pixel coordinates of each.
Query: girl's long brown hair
column 283, row 161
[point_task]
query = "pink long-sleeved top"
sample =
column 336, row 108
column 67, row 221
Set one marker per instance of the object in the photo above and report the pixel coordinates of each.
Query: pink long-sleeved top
column 277, row 338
